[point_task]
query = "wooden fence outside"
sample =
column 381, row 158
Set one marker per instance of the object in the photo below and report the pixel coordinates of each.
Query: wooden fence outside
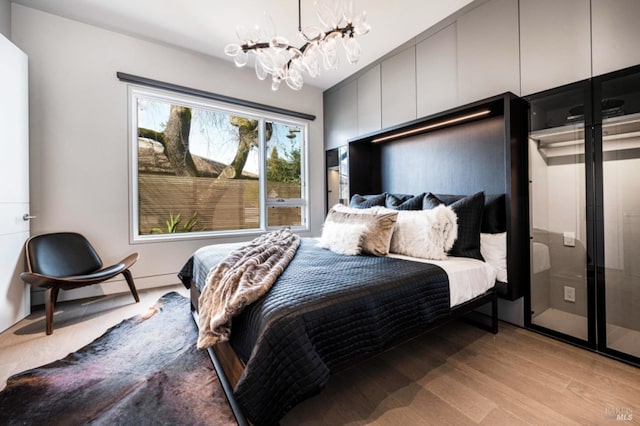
column 218, row 204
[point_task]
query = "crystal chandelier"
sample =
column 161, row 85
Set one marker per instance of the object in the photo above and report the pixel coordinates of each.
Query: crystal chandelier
column 276, row 57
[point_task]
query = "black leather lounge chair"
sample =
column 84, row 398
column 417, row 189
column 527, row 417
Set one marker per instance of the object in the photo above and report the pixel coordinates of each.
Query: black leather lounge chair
column 66, row 260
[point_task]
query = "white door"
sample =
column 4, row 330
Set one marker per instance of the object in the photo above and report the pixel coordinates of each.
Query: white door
column 14, row 182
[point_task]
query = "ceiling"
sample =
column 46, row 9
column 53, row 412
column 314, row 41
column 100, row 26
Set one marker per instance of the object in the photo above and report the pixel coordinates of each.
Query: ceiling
column 207, row 26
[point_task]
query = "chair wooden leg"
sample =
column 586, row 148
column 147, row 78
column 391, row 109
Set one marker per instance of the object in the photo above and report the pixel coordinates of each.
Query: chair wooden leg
column 132, row 287
column 51, row 296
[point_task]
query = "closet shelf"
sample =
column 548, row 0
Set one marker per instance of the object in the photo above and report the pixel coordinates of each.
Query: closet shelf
column 622, row 127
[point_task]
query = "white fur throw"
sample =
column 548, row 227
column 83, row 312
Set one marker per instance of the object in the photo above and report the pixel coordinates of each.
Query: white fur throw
column 426, row 234
column 343, row 238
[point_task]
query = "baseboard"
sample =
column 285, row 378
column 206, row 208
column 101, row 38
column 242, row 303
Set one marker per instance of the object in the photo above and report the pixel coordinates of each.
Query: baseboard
column 108, row 287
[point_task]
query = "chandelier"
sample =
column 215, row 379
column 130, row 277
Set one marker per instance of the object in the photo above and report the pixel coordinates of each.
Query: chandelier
column 276, row 57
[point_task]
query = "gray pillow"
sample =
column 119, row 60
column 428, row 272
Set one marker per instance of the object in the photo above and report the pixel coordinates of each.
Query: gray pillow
column 405, row 203
column 365, row 201
column 430, row 201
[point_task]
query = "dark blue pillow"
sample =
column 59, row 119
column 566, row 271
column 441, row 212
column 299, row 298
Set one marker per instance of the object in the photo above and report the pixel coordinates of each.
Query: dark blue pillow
column 469, row 211
column 430, row 201
column 405, row 202
column 494, row 216
column 365, row 201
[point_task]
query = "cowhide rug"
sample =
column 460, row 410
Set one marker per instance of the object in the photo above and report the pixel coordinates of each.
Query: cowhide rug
column 144, row 371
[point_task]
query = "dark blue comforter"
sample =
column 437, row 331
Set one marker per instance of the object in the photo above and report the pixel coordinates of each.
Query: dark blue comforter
column 325, row 311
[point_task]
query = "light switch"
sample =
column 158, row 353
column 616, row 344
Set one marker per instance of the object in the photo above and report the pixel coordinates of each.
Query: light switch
column 569, row 239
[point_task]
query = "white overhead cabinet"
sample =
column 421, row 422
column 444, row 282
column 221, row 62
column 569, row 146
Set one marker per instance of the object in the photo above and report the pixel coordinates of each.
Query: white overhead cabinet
column 398, row 76
column 340, row 115
column 616, row 34
column 555, row 43
column 488, row 51
column 436, row 68
column 369, row 101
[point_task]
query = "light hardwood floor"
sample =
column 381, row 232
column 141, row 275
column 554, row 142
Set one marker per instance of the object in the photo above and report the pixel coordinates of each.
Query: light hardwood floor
column 456, row 375
column 461, row 375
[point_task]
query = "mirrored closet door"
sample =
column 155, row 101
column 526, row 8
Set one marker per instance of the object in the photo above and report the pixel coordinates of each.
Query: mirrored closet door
column 584, row 173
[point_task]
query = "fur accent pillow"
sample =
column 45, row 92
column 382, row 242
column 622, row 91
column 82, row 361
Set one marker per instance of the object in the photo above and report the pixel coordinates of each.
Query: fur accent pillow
column 426, row 234
column 342, row 238
column 380, row 225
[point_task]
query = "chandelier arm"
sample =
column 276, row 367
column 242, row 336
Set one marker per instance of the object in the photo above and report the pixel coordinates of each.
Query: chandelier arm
column 347, row 31
column 254, row 46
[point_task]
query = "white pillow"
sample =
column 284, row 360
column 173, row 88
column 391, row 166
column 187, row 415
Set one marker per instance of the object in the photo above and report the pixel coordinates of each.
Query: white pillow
column 493, row 248
column 343, row 238
column 426, row 234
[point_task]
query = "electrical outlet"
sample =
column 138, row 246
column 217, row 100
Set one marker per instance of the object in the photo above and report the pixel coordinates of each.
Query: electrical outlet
column 569, row 294
column 569, row 239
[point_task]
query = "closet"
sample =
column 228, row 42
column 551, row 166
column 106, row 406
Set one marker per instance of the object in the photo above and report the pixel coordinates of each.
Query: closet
column 584, row 177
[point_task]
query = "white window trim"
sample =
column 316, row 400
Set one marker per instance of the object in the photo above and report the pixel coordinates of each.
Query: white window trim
column 136, row 91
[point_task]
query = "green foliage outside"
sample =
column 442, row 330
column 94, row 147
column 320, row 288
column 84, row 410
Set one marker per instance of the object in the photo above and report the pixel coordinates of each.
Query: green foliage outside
column 173, row 224
column 285, row 170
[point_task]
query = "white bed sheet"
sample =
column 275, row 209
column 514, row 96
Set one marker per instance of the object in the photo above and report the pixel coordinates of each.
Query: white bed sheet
column 468, row 278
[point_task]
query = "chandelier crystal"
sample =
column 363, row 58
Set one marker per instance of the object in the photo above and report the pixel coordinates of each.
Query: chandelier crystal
column 277, row 58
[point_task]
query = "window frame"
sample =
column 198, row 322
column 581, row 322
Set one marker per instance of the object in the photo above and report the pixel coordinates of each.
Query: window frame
column 136, row 92
column 290, row 202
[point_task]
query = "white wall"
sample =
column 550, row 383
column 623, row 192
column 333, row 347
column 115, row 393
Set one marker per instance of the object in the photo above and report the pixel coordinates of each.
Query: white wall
column 5, row 18
column 79, row 147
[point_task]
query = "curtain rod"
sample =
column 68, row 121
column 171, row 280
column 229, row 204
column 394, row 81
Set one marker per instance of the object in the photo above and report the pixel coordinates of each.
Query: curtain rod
column 129, row 78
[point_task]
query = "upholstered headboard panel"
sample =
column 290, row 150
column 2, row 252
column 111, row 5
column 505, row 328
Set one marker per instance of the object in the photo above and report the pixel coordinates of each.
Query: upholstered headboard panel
column 457, row 160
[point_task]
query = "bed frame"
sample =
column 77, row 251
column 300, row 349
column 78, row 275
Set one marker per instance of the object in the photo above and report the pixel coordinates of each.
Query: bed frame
column 482, row 154
column 229, row 367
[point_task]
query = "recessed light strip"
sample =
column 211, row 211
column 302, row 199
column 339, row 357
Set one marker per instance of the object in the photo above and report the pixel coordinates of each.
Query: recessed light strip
column 432, row 126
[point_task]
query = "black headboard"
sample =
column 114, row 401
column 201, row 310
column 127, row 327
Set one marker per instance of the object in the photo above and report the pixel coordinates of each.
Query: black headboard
column 477, row 147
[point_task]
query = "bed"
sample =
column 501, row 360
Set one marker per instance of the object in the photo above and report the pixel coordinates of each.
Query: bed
column 328, row 310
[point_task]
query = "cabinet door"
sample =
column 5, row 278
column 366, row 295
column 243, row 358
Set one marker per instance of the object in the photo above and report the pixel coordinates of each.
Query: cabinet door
column 436, row 65
column 616, row 33
column 398, row 75
column 554, row 43
column 340, row 115
column 488, row 51
column 369, row 102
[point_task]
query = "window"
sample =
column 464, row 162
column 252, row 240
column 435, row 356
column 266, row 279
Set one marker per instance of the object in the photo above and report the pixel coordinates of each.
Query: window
column 202, row 168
